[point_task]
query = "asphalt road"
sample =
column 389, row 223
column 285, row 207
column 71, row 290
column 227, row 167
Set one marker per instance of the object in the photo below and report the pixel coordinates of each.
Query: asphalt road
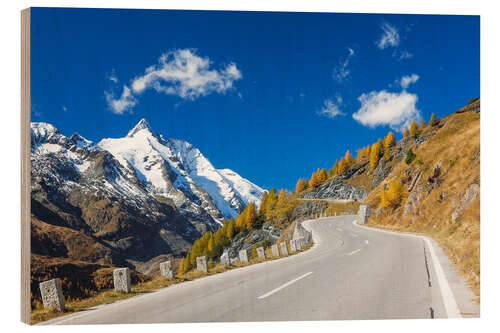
column 352, row 272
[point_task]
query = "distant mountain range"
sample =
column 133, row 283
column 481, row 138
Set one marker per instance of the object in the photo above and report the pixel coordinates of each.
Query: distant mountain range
column 138, row 196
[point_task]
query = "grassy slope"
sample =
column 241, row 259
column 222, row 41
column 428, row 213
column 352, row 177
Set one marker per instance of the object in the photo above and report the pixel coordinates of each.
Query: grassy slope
column 455, row 147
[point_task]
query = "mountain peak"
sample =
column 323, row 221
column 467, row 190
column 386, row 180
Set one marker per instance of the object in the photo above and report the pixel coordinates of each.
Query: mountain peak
column 141, row 125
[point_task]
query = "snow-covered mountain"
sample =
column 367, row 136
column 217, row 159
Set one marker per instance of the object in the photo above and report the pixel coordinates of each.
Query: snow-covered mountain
column 178, row 171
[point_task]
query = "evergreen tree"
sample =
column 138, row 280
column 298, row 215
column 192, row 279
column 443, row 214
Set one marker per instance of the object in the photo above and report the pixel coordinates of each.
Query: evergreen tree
column 413, row 129
column 432, row 121
column 410, row 156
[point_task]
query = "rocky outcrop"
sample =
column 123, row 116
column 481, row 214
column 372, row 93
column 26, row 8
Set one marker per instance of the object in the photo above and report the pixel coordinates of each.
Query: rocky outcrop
column 337, row 188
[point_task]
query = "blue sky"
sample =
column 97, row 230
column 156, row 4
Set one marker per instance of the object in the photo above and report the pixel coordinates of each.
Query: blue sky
column 272, row 96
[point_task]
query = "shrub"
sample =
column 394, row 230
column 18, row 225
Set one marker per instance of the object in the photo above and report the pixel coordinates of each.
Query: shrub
column 410, row 156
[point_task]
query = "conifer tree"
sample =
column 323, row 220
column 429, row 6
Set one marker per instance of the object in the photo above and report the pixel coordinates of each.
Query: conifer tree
column 432, row 121
column 321, row 175
column 251, row 215
column 390, row 140
column 314, row 179
column 253, row 254
column 374, row 155
column 394, row 195
column 413, row 129
column 230, row 229
column 301, row 186
column 422, row 125
column 406, row 132
column 349, row 161
column 263, row 204
column 180, row 270
column 336, row 168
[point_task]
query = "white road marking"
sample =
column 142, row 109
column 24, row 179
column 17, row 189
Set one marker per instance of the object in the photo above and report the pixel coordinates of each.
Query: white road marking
column 339, row 229
column 450, row 304
column 448, row 299
column 284, row 286
column 354, row 235
column 367, row 242
column 353, row 252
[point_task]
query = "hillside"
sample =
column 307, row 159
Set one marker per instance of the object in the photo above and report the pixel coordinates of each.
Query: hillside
column 441, row 191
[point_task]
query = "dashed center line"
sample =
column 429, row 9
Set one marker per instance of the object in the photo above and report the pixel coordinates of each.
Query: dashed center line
column 339, row 229
column 354, row 235
column 353, row 252
column 284, row 286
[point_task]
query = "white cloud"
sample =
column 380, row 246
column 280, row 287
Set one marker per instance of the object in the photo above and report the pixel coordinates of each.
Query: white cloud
column 181, row 73
column 408, row 79
column 404, row 55
column 331, row 108
column 396, row 110
column 390, row 36
column 112, row 77
column 342, row 71
column 64, row 108
column 125, row 103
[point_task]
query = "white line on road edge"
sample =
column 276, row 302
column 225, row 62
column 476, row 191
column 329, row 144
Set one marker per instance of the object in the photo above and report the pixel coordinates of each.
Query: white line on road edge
column 448, row 299
column 284, row 286
column 450, row 304
column 353, row 252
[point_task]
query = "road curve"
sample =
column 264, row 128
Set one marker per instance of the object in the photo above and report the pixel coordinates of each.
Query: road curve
column 351, row 272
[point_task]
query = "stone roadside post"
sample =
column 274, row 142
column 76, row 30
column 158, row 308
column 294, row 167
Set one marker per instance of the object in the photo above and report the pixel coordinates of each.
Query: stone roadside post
column 166, row 269
column 52, row 296
column 284, row 249
column 201, row 264
column 364, row 213
column 293, row 245
column 275, row 251
column 121, row 279
column 260, row 253
column 243, row 255
column 224, row 258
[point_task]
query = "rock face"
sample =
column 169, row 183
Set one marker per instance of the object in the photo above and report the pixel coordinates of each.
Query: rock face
column 338, row 189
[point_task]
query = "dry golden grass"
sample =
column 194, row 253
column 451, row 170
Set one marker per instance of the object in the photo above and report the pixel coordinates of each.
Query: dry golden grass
column 456, row 148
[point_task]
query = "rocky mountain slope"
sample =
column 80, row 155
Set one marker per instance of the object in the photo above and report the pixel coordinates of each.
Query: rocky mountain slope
column 441, row 191
column 124, row 201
